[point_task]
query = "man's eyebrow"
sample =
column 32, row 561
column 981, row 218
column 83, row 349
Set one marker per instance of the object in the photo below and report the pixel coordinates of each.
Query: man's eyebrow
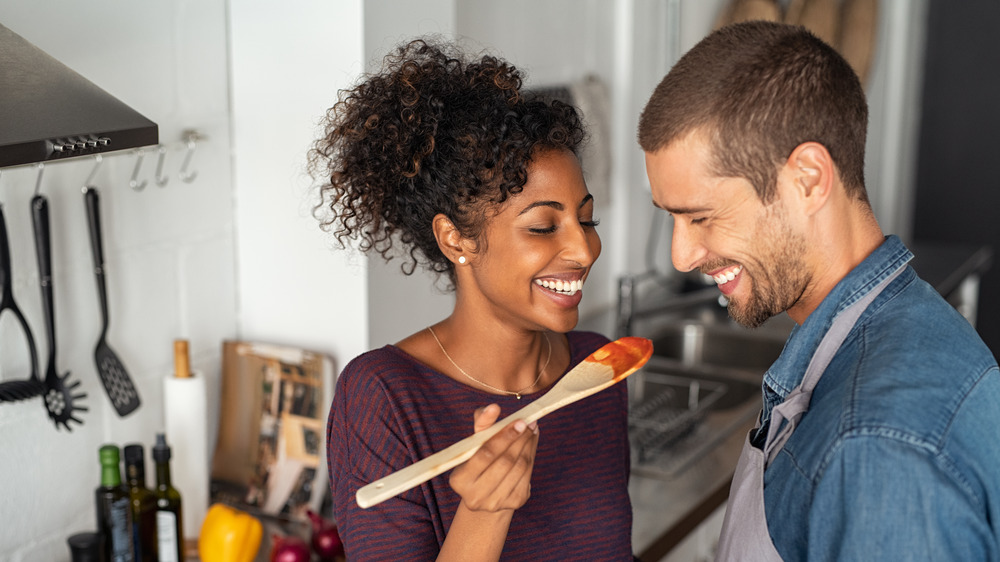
column 680, row 210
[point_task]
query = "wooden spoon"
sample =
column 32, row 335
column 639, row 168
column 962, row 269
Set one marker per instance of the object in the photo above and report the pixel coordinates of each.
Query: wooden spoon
column 601, row 369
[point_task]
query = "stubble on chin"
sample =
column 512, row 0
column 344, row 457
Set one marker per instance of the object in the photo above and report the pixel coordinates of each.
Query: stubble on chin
column 776, row 286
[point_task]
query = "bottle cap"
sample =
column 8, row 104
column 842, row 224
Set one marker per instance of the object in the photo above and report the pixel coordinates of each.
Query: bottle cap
column 86, row 547
column 133, row 454
column 134, row 459
column 109, row 455
column 161, row 452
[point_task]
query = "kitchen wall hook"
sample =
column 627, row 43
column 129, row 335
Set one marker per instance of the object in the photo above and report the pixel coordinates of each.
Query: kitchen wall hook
column 93, row 172
column 190, row 138
column 134, row 182
column 38, row 180
column 161, row 180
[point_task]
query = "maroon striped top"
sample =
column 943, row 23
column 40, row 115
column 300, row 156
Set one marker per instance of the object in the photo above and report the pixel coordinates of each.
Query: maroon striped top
column 390, row 411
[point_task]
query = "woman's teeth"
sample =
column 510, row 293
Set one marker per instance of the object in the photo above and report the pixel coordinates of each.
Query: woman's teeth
column 561, row 287
column 727, row 276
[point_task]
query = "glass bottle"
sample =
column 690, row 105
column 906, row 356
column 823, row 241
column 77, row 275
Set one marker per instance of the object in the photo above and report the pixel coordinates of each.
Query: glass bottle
column 143, row 503
column 169, row 528
column 114, row 518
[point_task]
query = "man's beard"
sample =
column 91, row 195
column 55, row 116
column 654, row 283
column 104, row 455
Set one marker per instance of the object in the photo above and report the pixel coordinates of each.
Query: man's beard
column 775, row 287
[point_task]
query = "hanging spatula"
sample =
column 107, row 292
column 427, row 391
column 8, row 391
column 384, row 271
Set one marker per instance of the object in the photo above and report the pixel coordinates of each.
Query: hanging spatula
column 60, row 400
column 114, row 377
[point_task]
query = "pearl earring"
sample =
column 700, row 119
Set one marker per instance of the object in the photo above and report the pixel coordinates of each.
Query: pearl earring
column 461, row 259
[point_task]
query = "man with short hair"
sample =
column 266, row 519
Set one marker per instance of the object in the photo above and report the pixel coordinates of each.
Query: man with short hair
column 879, row 437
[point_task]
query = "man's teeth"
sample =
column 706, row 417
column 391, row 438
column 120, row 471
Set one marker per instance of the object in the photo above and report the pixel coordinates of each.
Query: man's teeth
column 562, row 287
column 727, row 276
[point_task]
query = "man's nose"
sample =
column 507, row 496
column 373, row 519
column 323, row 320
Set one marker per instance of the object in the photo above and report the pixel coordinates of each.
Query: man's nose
column 686, row 248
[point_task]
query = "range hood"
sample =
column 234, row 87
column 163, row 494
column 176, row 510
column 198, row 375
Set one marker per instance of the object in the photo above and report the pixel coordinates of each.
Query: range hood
column 49, row 112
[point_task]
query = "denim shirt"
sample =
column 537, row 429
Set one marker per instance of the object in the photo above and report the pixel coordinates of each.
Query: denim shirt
column 898, row 457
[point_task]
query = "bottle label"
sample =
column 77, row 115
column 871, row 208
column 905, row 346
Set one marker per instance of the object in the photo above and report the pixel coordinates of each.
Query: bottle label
column 121, row 537
column 166, row 536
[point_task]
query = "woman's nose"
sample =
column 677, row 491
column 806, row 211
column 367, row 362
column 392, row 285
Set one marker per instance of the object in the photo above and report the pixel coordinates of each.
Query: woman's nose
column 583, row 246
column 686, row 250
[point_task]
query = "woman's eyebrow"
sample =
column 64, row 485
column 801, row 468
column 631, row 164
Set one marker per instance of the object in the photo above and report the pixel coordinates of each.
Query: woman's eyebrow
column 554, row 204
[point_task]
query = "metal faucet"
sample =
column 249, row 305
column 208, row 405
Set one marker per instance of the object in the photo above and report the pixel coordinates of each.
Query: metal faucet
column 627, row 313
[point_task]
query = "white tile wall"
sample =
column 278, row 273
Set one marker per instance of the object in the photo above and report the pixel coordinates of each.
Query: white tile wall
column 169, row 252
column 194, row 260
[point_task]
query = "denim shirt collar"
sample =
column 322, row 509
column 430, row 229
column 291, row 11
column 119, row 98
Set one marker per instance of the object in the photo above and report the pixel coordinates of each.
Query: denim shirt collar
column 786, row 373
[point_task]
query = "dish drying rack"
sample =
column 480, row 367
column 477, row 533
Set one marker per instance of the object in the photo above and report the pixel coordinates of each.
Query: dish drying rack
column 661, row 421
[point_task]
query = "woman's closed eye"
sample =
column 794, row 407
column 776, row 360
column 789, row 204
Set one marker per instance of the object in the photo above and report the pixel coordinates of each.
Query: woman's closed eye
column 591, row 223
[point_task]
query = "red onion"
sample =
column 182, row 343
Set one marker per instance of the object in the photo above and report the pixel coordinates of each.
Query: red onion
column 325, row 539
column 289, row 549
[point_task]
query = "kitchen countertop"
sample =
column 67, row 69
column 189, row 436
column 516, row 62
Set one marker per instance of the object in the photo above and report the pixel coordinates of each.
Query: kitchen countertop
column 665, row 510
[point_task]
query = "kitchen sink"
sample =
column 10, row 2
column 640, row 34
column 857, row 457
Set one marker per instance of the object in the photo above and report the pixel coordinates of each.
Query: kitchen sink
column 702, row 383
column 724, row 345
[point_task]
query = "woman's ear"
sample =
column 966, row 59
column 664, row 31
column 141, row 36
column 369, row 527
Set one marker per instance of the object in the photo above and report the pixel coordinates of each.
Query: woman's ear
column 449, row 239
column 812, row 175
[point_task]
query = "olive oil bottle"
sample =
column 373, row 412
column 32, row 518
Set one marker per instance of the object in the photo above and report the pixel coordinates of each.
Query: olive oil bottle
column 142, row 501
column 114, row 518
column 169, row 526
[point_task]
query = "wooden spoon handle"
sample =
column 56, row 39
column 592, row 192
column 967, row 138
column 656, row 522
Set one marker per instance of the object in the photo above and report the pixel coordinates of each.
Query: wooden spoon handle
column 445, row 459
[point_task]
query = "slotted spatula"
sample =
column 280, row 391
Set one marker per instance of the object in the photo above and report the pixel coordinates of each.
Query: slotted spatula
column 61, row 401
column 601, row 369
column 114, row 377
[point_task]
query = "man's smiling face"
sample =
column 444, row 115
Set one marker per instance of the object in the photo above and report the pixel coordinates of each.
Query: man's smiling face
column 723, row 229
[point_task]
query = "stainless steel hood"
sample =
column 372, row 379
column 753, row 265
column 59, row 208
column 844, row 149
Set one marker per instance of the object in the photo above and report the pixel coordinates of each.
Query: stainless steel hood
column 49, row 112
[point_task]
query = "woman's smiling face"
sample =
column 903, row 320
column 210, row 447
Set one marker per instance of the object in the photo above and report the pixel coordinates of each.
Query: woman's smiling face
column 536, row 251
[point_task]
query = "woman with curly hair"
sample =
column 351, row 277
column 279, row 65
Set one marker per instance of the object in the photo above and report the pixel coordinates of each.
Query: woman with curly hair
column 447, row 161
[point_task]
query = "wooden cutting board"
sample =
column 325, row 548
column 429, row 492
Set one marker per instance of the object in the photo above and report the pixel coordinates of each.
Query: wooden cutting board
column 749, row 10
column 822, row 17
column 858, row 28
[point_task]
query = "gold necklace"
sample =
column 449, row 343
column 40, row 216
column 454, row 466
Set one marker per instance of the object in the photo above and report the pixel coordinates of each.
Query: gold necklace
column 473, row 379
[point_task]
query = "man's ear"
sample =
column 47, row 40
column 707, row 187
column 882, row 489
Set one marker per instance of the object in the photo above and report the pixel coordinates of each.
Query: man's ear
column 811, row 174
column 449, row 239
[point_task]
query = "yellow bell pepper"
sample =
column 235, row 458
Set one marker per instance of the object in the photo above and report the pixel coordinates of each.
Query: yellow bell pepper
column 229, row 535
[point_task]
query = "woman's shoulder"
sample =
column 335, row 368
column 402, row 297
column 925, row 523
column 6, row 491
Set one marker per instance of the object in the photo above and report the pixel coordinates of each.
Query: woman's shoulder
column 379, row 365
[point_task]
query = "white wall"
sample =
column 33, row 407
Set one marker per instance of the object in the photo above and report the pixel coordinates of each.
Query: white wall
column 288, row 62
column 172, row 253
column 169, row 253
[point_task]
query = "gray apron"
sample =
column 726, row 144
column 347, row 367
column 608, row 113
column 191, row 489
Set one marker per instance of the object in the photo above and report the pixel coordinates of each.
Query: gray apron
column 744, row 530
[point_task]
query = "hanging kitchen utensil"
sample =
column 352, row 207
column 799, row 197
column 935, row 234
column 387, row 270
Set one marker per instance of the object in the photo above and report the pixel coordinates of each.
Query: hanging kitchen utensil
column 60, row 401
column 25, row 388
column 114, row 377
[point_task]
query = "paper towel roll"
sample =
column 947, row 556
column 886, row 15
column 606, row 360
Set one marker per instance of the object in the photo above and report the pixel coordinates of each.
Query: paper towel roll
column 185, row 412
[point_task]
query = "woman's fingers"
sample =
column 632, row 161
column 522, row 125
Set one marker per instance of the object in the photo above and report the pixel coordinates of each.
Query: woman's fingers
column 485, row 417
column 498, row 475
